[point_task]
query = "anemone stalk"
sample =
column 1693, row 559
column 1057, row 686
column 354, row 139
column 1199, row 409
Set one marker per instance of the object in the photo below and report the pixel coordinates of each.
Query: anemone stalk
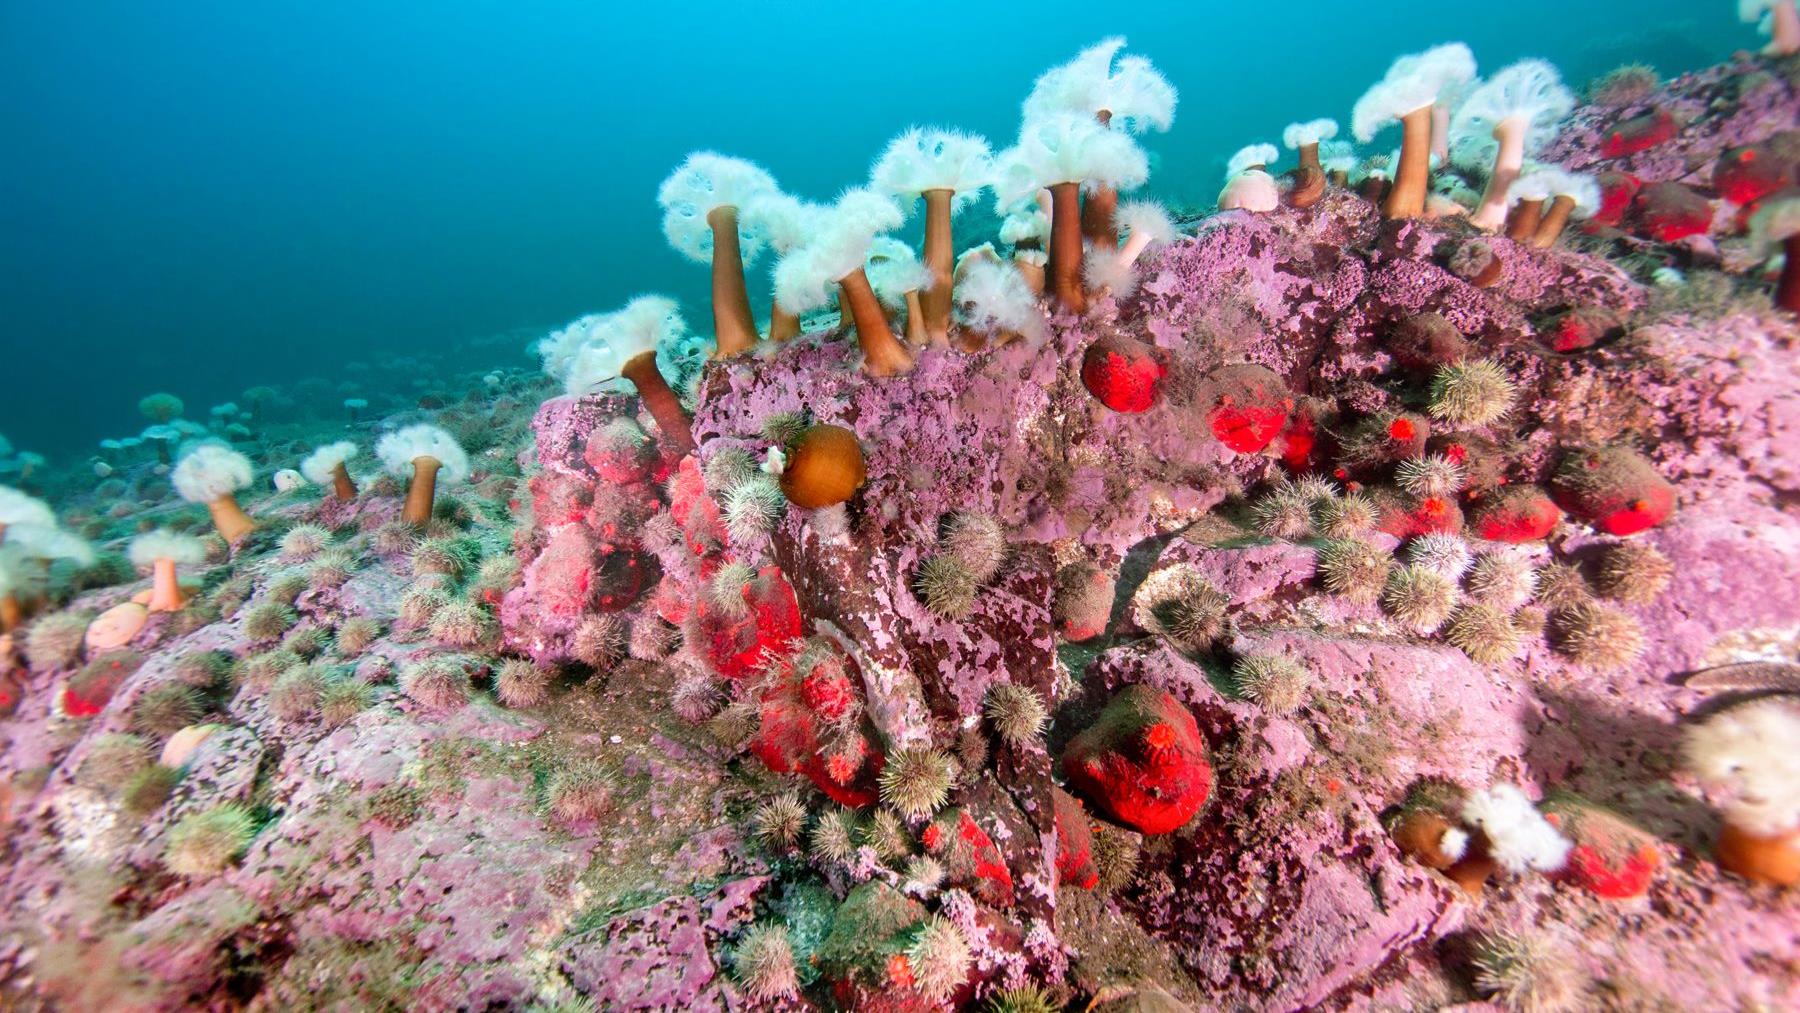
column 1527, row 214
column 1064, row 272
column 1508, row 161
column 883, row 355
column 1412, row 177
column 733, row 327
column 420, row 491
column 660, row 401
column 940, row 259
column 1550, row 227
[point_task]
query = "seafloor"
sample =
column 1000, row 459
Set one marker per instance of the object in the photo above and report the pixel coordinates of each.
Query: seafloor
column 528, row 755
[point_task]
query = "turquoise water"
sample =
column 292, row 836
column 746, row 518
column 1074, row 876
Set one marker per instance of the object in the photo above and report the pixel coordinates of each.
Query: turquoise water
column 200, row 197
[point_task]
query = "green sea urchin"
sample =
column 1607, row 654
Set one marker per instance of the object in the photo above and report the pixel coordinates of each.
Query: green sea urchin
column 1473, row 393
column 917, row 780
column 207, row 843
column 1017, row 713
column 1274, row 681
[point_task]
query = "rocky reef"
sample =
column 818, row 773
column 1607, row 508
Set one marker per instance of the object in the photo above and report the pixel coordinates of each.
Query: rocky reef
column 1337, row 610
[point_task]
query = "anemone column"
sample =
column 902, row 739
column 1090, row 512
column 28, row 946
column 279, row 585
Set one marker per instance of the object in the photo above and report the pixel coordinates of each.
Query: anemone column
column 341, row 483
column 1508, row 160
column 165, row 591
column 1550, row 227
column 1065, row 247
column 734, row 328
column 1412, row 177
column 230, row 519
column 940, row 259
column 11, row 612
column 1527, row 215
column 660, row 401
column 420, row 491
column 883, row 355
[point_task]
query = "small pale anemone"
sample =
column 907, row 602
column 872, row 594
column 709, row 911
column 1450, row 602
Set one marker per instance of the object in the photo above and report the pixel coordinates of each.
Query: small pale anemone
column 995, row 298
column 895, row 273
column 1747, row 752
column 1519, row 837
column 1146, row 224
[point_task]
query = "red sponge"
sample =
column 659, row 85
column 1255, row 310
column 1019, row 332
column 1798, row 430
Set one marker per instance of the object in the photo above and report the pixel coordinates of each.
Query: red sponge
column 1614, row 489
column 1125, row 375
column 1141, row 762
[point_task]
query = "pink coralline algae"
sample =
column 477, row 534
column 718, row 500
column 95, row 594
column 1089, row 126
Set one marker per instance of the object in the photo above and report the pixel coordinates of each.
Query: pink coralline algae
column 1172, row 655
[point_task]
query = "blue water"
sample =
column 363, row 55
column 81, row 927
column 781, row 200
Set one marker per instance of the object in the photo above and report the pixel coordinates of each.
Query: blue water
column 203, row 196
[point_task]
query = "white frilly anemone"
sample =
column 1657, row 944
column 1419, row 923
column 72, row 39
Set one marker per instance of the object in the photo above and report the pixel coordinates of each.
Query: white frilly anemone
column 838, row 247
column 400, row 448
column 643, row 324
column 1128, row 90
column 1297, row 135
column 1507, row 118
column 923, row 159
column 210, row 470
column 321, row 465
column 1519, row 837
column 993, row 297
column 1067, row 148
column 184, row 550
column 1748, row 752
column 1251, row 156
column 895, row 272
column 21, row 508
column 704, row 182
